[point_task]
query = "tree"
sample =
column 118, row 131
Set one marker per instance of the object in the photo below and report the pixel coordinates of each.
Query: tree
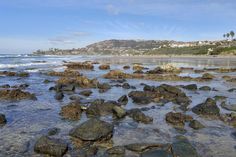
column 227, row 35
column 232, row 34
column 224, row 35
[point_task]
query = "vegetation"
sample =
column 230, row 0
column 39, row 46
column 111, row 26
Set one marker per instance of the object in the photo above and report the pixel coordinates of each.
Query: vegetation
column 228, row 35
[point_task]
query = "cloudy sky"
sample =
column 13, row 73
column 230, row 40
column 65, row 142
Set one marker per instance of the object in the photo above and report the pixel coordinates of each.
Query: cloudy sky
column 27, row 25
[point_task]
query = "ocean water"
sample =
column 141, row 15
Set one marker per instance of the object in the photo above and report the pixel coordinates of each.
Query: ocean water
column 28, row 120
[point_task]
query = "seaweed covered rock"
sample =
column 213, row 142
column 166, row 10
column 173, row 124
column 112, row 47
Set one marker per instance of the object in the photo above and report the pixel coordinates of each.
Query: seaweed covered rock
column 3, row 119
column 66, row 73
column 208, row 108
column 71, row 111
column 80, row 65
column 50, row 146
column 15, row 94
column 93, row 130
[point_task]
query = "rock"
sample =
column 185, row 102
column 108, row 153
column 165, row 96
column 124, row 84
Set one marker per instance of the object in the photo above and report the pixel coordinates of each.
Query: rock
column 232, row 90
column 53, row 131
column 117, row 151
column 104, row 67
column 47, row 81
column 208, row 108
column 66, row 73
column 139, row 116
column 183, row 148
column 2, row 119
column 205, row 88
column 80, row 81
column 15, row 94
column 170, row 68
column 140, row 147
column 207, row 76
column 126, row 86
column 196, row 125
column 117, row 74
column 5, row 86
column 140, row 97
column 228, row 107
column 75, row 97
column 119, row 112
column 86, row 93
column 138, row 67
column 59, row 96
column 177, row 119
column 157, row 70
column 68, row 87
column 103, row 87
column 123, row 100
column 157, row 152
column 229, row 118
column 191, row 87
column 23, row 74
column 126, row 67
column 80, row 65
column 100, row 108
column 219, row 97
column 71, row 111
column 50, row 146
column 138, row 72
column 93, row 130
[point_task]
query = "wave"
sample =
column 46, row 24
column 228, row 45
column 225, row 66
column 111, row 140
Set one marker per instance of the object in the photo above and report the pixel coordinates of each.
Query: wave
column 25, row 64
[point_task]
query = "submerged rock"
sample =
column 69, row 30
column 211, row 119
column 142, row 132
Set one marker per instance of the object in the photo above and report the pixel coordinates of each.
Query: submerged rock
column 140, row 147
column 71, row 111
column 177, row 119
column 3, row 119
column 158, row 152
column 15, row 94
column 50, row 146
column 205, row 88
column 196, row 125
column 139, row 116
column 183, row 148
column 59, row 96
column 208, row 108
column 93, row 130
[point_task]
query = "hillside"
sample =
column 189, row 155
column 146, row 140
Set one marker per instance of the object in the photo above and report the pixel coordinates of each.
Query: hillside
column 149, row 47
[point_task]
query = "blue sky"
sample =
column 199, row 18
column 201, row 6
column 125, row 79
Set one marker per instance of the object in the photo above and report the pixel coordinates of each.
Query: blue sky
column 28, row 25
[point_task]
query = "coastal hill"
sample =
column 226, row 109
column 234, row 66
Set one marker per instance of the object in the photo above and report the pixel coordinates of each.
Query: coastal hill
column 149, row 47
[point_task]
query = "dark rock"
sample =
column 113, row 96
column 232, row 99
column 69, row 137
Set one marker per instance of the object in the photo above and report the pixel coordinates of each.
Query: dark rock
column 140, row 147
column 75, row 97
column 104, row 67
column 71, row 111
column 138, row 72
column 50, row 146
column 117, row 151
column 228, row 107
column 191, row 87
column 2, row 119
column 232, row 90
column 16, row 94
column 47, row 81
column 140, row 97
column 196, row 125
column 139, row 116
column 158, row 152
column 103, row 87
column 119, row 112
column 86, row 93
column 123, row 100
column 23, row 74
column 59, row 96
column 208, row 108
column 53, row 131
column 93, row 130
column 183, row 148
column 68, row 87
column 5, row 86
column 126, row 86
column 233, row 134
column 207, row 76
column 205, row 88
column 177, row 119
column 126, row 67
column 80, row 65
column 219, row 97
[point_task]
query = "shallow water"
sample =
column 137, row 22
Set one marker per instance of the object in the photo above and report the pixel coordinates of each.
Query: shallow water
column 28, row 120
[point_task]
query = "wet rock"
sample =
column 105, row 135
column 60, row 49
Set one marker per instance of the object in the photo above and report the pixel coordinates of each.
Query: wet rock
column 23, row 74
column 5, row 86
column 208, row 108
column 86, row 93
column 80, row 81
column 232, row 90
column 66, row 73
column 140, row 97
column 119, row 111
column 93, row 130
column 100, row 108
column 157, row 70
column 123, row 100
column 219, row 97
column 138, row 72
column 205, row 88
column 228, row 107
column 117, row 74
column 75, row 97
column 53, row 131
column 117, row 151
column 3, row 119
column 103, row 87
column 233, row 134
column 177, row 119
column 59, row 96
column 207, row 76
column 126, row 67
column 50, row 146
column 140, row 147
column 80, row 65
column 157, row 152
column 183, row 148
column 139, row 116
column 191, row 87
column 138, row 67
column 71, row 111
column 229, row 118
column 170, row 68
column 196, row 125
column 126, row 86
column 15, row 94
column 63, row 87
column 104, row 67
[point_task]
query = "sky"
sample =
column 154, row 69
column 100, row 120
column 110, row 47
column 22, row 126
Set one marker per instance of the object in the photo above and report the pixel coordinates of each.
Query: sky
column 29, row 25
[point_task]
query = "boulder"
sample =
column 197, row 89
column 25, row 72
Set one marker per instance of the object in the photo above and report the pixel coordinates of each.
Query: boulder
column 117, row 151
column 3, row 119
column 207, row 76
column 15, row 94
column 205, row 88
column 191, row 87
column 126, row 67
column 177, row 119
column 50, row 146
column 100, row 108
column 103, row 87
column 71, row 111
column 80, row 65
column 208, row 108
column 93, row 130
column 86, row 93
column 119, row 112
column 123, row 100
column 196, row 125
column 139, row 116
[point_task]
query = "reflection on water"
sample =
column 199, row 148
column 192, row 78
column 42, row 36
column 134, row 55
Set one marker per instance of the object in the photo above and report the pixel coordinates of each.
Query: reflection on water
column 27, row 120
